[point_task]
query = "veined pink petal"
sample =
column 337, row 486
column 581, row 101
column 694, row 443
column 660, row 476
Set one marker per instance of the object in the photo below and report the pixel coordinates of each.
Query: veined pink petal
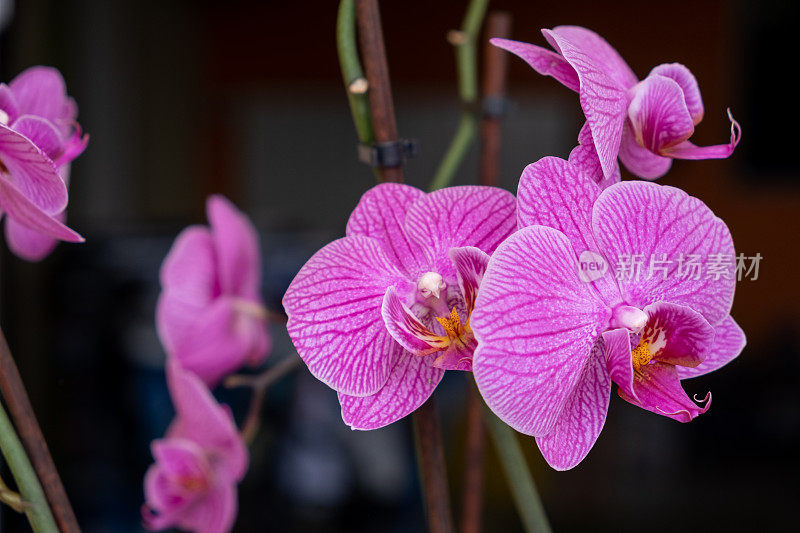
column 543, row 61
column 40, row 91
column 470, row 263
column 659, row 390
column 73, row 147
column 27, row 243
column 407, row 329
column 28, row 169
column 688, row 84
column 687, row 150
column 40, row 132
column 582, row 418
column 603, row 99
column 666, row 224
column 555, row 193
column 461, row 216
column 535, row 323
column 411, row 382
column 619, row 361
column 640, row 161
column 600, row 52
column 729, row 341
column 236, row 244
column 334, row 308
column 199, row 418
column 381, row 214
column 658, row 114
column 680, row 335
column 18, row 207
column 584, row 156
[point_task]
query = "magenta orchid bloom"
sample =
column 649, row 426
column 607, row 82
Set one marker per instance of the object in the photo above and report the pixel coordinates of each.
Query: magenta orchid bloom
column 198, row 464
column 38, row 138
column 647, row 124
column 210, row 314
column 552, row 337
column 380, row 314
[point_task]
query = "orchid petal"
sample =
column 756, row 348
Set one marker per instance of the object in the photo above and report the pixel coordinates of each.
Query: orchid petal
column 582, row 418
column 461, row 216
column 41, row 91
column 27, row 243
column 407, row 329
column 555, row 193
column 189, row 284
column 28, row 169
column 236, row 245
column 603, row 99
column 619, row 360
column 729, row 341
column 543, row 61
column 658, row 389
column 8, row 102
column 658, row 114
column 640, row 161
column 600, row 52
column 688, row 84
column 584, row 156
column 380, row 214
column 654, row 221
column 334, row 308
column 681, row 335
column 411, row 383
column 218, row 341
column 199, row 418
column 687, row 150
column 457, row 356
column 18, row 207
column 535, row 323
column 40, row 132
column 470, row 263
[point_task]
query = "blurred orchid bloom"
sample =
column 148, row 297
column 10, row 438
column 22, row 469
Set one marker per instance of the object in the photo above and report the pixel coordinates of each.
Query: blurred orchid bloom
column 380, row 314
column 198, row 463
column 551, row 338
column 647, row 124
column 210, row 314
column 39, row 137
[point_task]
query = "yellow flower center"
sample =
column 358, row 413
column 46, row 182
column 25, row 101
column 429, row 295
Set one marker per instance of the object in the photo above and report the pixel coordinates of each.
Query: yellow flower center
column 641, row 355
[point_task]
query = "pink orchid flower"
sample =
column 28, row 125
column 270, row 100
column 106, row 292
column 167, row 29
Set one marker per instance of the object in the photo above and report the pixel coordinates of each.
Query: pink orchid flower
column 210, row 314
column 646, row 123
column 38, row 138
column 553, row 334
column 198, row 463
column 380, row 314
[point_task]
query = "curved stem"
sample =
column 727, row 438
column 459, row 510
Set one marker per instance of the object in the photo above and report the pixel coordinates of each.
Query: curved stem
column 34, row 503
column 467, row 66
column 520, row 481
column 260, row 383
column 353, row 76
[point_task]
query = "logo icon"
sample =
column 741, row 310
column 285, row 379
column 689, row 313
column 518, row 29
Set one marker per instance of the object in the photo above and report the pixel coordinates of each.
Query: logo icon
column 591, row 266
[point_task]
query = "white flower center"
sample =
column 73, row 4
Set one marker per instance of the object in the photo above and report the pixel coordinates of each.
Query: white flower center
column 4, row 118
column 431, row 284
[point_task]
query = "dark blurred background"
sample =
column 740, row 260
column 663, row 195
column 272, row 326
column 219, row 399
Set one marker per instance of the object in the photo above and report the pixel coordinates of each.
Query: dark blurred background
column 187, row 98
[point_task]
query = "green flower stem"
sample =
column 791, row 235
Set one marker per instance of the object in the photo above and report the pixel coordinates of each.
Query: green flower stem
column 467, row 66
column 35, row 505
column 520, row 481
column 352, row 74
